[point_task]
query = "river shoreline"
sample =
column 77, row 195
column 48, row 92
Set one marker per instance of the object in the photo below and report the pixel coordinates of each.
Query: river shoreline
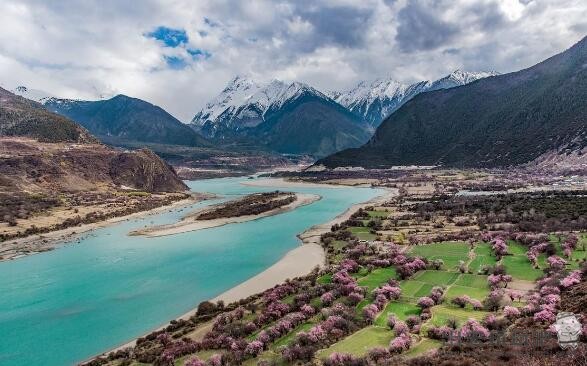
column 18, row 248
column 295, row 263
column 189, row 223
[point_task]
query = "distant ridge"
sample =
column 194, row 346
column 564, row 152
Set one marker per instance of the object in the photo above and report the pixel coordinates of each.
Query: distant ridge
column 498, row 121
column 374, row 101
column 127, row 118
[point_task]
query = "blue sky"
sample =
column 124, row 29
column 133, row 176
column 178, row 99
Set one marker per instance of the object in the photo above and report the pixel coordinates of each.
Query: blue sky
column 180, row 54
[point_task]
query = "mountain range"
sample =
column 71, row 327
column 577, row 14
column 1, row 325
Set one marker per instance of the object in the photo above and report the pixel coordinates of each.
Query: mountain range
column 296, row 118
column 292, row 118
column 499, row 121
column 374, row 101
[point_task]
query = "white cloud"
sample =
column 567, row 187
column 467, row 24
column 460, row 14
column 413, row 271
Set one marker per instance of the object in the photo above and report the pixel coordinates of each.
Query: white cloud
column 82, row 49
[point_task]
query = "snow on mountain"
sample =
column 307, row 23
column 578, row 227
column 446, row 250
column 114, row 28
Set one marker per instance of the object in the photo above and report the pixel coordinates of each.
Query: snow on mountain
column 459, row 77
column 244, row 104
column 374, row 101
column 32, row 94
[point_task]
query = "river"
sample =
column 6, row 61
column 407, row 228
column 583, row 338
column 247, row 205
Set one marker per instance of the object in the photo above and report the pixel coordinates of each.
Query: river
column 61, row 307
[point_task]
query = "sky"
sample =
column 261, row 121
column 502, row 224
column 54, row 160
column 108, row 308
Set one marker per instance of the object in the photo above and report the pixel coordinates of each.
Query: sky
column 179, row 54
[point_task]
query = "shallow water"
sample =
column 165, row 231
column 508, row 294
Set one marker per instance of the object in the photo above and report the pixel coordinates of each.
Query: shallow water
column 63, row 306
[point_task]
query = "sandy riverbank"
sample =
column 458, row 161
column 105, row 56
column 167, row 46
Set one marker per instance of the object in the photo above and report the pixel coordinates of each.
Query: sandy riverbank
column 22, row 247
column 189, row 222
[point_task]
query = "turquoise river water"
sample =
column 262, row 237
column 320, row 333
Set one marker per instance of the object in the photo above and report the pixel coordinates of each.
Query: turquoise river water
column 61, row 307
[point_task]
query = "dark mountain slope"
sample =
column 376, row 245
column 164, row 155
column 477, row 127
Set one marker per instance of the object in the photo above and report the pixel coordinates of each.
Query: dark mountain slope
column 23, row 117
column 129, row 119
column 500, row 121
column 310, row 124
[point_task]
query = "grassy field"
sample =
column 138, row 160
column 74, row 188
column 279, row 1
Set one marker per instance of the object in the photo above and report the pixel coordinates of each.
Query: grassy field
column 423, row 346
column 377, row 278
column 401, row 310
column 360, row 343
column 324, row 279
column 519, row 267
column 436, row 278
column 471, row 280
column 382, row 214
column 362, row 232
column 475, row 293
column 482, row 258
column 411, row 287
column 450, row 252
column 442, row 313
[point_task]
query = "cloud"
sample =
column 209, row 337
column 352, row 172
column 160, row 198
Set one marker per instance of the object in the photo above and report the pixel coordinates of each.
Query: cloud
column 180, row 54
column 170, row 37
column 420, row 28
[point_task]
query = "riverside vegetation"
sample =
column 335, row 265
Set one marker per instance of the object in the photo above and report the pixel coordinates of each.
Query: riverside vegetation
column 252, row 204
column 425, row 277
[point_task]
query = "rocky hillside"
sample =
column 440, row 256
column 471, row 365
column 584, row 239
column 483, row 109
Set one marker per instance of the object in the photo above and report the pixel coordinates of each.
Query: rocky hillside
column 500, row 121
column 33, row 166
column 128, row 119
column 23, row 117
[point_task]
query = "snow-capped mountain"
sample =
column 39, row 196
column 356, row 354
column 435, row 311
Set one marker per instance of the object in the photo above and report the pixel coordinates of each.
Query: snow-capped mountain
column 245, row 103
column 32, row 94
column 458, row 78
column 374, row 101
column 286, row 117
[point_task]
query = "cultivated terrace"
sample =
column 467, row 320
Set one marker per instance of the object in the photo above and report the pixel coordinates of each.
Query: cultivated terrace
column 423, row 278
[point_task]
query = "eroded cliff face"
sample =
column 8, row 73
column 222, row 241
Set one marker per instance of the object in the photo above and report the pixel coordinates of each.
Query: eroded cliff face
column 28, row 165
column 144, row 170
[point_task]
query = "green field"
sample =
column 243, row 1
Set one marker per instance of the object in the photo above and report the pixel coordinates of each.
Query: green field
column 473, row 292
column 359, row 343
column 400, row 309
column 377, row 277
column 362, row 232
column 471, row 280
column 411, row 287
column 441, row 313
column 450, row 252
column 483, row 257
column 519, row 267
column 423, row 346
column 436, row 278
column 324, row 279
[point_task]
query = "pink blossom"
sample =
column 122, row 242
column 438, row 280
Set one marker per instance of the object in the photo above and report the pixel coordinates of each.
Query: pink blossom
column 370, row 312
column 572, row 279
column 476, row 304
column 327, row 298
column 511, row 312
column 391, row 321
column 544, row 316
column 254, row 348
column 473, row 328
column 308, row 310
column 555, row 262
column 400, row 343
column 215, row 360
column 425, row 302
column 400, row 328
column 195, row 362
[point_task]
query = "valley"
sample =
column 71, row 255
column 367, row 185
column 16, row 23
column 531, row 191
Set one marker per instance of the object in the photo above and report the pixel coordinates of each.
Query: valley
column 283, row 183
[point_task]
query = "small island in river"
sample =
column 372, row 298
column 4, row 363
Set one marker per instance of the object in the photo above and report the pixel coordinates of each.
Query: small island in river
column 247, row 208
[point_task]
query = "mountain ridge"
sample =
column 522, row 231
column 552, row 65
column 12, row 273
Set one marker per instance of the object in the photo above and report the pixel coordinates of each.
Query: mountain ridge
column 504, row 120
column 127, row 118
